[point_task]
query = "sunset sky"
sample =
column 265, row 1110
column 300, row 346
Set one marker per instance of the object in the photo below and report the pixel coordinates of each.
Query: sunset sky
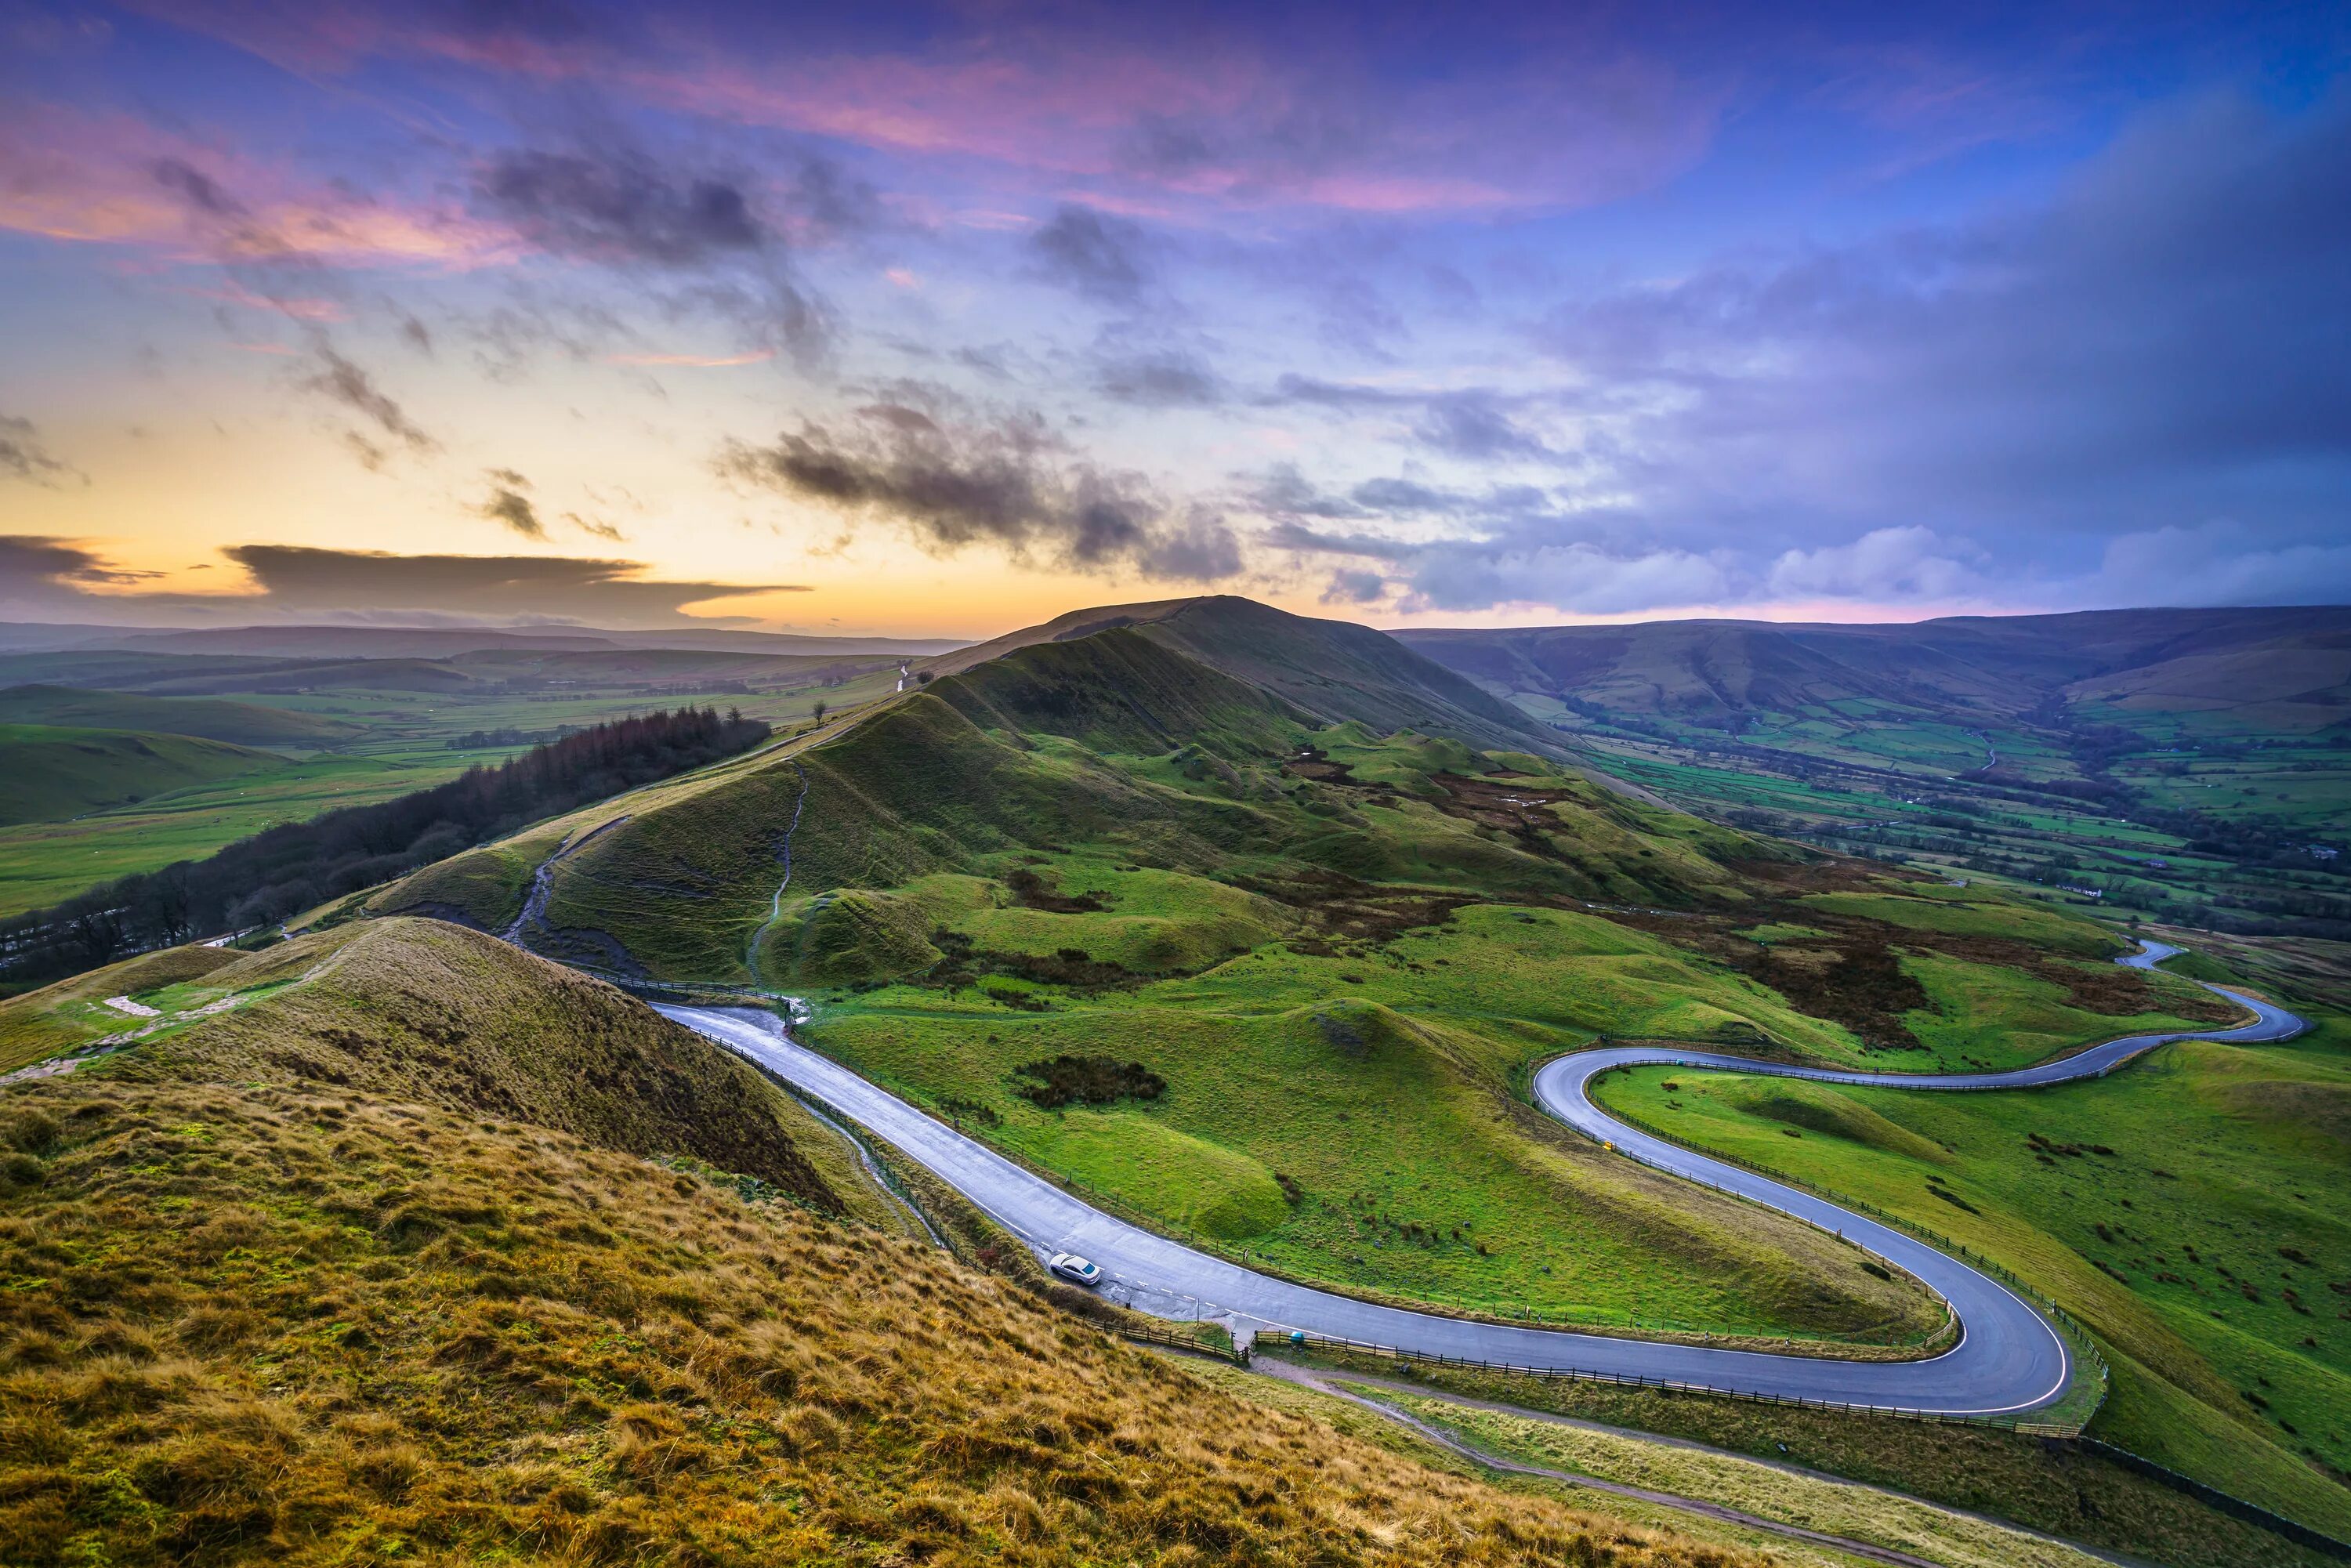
column 942, row 321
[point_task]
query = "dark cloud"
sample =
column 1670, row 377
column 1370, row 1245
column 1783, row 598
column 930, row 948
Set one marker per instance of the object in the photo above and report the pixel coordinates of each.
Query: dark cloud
column 1170, row 379
column 23, row 456
column 596, row 526
column 599, row 591
column 1472, row 426
column 1105, row 258
column 64, row 578
column 827, row 203
column 199, row 190
column 1313, row 391
column 513, row 508
column 349, row 384
column 1354, row 587
column 37, row 572
column 1006, row 482
column 618, row 207
column 1405, row 496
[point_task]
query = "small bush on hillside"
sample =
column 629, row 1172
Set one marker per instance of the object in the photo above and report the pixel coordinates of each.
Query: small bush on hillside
column 1088, row 1079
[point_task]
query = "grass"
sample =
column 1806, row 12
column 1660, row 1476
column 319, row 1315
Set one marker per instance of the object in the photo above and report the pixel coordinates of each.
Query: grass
column 56, row 772
column 246, row 723
column 2061, row 1491
column 320, row 1326
column 1278, row 1067
column 2187, row 1209
column 1767, row 1491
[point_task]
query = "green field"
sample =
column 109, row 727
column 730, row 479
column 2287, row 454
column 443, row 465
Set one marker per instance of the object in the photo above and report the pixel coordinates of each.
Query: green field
column 55, row 773
column 2187, row 1209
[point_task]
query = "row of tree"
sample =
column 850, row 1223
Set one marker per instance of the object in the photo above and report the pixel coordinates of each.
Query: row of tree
column 297, row 865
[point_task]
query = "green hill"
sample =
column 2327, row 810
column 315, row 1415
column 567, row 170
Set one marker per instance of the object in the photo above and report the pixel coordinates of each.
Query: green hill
column 1965, row 668
column 55, row 772
column 1337, row 671
column 243, row 723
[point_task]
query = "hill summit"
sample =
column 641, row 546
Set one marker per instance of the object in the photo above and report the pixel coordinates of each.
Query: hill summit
column 1207, row 737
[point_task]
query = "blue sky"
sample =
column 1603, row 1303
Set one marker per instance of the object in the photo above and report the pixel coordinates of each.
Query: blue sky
column 944, row 319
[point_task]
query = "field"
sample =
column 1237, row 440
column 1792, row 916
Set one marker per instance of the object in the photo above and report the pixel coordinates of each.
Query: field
column 2183, row 1208
column 55, row 773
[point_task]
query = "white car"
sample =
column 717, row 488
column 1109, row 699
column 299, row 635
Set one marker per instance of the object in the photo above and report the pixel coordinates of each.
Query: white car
column 1074, row 1268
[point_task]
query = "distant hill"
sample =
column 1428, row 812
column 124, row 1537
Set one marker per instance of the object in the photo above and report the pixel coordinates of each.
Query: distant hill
column 2288, row 667
column 441, row 642
column 242, row 724
column 55, row 773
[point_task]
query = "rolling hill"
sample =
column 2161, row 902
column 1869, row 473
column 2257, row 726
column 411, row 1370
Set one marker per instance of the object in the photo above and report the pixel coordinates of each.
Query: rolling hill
column 1968, row 667
column 55, row 772
column 242, row 724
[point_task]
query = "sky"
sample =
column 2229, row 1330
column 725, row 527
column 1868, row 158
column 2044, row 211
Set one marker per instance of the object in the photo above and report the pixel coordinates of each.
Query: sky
column 941, row 320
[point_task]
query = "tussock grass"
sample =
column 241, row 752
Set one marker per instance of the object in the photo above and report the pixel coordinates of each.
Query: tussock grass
column 321, row 1327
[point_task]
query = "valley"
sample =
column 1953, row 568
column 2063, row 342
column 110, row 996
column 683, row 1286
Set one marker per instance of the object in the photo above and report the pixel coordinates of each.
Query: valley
column 1246, row 946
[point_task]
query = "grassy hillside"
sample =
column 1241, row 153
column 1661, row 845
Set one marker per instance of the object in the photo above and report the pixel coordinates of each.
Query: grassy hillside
column 1335, row 670
column 2189, row 1210
column 422, row 1011
column 307, row 1324
column 243, row 724
column 55, row 772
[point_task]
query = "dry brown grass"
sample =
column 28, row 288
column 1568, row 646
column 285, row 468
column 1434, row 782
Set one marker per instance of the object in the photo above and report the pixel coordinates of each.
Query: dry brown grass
column 243, row 1322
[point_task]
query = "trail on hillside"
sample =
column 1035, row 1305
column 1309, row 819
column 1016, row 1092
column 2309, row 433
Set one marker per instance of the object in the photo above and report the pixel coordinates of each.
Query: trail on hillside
column 776, row 905
column 533, row 914
column 2010, row 1359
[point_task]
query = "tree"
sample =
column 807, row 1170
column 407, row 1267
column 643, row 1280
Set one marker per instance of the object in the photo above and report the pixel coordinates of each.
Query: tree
column 819, row 711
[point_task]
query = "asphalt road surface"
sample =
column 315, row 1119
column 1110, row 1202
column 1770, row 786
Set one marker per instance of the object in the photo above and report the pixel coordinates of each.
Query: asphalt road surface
column 2008, row 1359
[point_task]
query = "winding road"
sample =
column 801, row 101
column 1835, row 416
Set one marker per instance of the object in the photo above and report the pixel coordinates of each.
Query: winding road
column 2008, row 1359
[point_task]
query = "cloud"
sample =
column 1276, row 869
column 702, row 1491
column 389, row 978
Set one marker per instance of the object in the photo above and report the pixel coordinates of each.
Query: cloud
column 1102, row 257
column 23, row 456
column 72, row 174
column 953, row 483
column 2212, row 564
column 1472, row 426
column 1885, row 566
column 1169, row 379
column 508, row 505
column 348, row 383
column 1210, row 113
column 2153, row 349
column 39, row 574
column 42, row 577
column 618, row 206
column 291, row 578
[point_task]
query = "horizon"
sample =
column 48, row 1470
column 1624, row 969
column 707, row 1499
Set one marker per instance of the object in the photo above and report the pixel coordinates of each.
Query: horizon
column 966, row 640
column 782, row 321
